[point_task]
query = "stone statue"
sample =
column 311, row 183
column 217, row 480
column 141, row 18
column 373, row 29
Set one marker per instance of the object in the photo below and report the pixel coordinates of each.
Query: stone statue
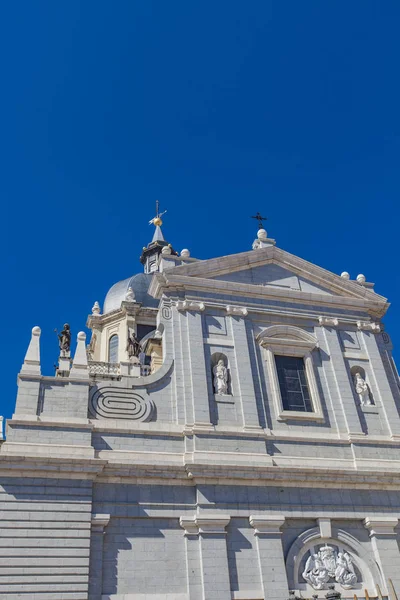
column 326, row 565
column 132, row 346
column 362, row 390
column 220, row 373
column 65, row 339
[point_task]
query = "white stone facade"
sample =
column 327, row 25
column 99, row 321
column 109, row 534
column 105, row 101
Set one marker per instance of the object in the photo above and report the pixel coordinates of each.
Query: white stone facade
column 121, row 481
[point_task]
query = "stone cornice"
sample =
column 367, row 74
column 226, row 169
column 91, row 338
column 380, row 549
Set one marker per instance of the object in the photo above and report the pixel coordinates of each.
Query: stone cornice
column 132, row 309
column 163, row 282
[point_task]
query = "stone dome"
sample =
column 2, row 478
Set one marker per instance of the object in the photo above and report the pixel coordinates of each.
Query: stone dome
column 139, row 284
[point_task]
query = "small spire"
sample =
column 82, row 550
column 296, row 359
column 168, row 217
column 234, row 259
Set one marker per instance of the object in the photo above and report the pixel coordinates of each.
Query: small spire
column 80, row 364
column 32, row 357
column 158, row 236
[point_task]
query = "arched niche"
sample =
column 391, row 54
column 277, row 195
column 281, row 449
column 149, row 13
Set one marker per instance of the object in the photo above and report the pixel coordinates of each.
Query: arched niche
column 310, row 541
column 359, row 369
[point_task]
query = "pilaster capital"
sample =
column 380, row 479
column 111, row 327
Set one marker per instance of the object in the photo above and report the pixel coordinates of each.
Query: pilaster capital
column 328, row 321
column 380, row 525
column 204, row 524
column 241, row 311
column 189, row 525
column 267, row 524
column 99, row 522
column 184, row 305
column 368, row 326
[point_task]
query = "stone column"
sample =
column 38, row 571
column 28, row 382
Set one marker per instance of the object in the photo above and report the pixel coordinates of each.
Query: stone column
column 244, row 375
column 386, row 550
column 270, row 555
column 99, row 523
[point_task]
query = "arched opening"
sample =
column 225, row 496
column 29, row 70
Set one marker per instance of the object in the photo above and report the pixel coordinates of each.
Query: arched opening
column 113, row 349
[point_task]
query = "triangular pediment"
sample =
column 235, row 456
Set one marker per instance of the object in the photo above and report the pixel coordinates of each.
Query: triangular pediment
column 272, row 272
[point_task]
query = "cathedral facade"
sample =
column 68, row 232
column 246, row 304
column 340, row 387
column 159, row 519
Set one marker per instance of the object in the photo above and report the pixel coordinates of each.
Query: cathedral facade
column 230, row 431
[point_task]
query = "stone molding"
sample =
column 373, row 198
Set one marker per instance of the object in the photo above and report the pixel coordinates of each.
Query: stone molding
column 267, row 524
column 381, row 525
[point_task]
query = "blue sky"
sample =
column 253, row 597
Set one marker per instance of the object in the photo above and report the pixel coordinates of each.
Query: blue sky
column 219, row 110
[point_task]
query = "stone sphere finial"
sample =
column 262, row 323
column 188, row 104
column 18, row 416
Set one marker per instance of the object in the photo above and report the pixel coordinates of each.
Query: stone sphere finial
column 81, row 336
column 261, row 234
column 130, row 295
column 96, row 308
column 166, row 250
column 361, row 278
column 185, row 253
column 36, row 330
column 345, row 275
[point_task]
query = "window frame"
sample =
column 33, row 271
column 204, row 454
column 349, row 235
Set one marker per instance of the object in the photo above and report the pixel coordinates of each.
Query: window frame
column 291, row 341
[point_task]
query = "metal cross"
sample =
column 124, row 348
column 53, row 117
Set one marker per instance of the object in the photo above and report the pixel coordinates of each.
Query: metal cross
column 260, row 219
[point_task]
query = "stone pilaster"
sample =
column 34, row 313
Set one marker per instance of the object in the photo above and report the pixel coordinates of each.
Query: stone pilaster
column 207, row 557
column 198, row 392
column 386, row 550
column 244, row 374
column 381, row 383
column 193, row 559
column 346, row 414
column 270, row 555
column 99, row 523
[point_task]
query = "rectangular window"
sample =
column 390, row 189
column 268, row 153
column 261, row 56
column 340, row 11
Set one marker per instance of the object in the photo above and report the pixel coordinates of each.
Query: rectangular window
column 293, row 383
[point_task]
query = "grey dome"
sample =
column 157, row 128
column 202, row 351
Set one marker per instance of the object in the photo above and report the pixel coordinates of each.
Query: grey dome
column 139, row 283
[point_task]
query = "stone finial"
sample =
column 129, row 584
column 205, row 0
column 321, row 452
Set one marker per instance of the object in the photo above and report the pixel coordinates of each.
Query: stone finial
column 166, row 250
column 31, row 364
column 96, row 308
column 262, row 234
column 80, row 364
column 130, row 295
column 185, row 253
column 345, row 275
column 361, row 279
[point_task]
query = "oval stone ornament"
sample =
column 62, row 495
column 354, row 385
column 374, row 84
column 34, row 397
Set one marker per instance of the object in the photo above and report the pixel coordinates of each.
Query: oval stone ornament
column 118, row 403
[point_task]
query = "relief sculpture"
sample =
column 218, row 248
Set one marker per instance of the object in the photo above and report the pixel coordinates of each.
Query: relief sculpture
column 326, row 565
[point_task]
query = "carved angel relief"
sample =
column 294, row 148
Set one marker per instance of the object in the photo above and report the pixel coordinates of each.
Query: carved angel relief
column 328, row 564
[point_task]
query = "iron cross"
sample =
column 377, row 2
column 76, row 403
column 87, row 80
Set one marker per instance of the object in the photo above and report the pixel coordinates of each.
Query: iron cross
column 260, row 219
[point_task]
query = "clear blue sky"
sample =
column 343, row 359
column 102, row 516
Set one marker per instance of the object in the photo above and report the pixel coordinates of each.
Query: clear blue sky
column 218, row 109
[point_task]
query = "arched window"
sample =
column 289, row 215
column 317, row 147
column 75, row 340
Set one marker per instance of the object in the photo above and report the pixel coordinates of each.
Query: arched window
column 113, row 349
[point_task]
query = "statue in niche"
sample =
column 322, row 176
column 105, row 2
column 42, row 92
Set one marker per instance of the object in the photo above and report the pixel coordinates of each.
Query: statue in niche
column 64, row 339
column 327, row 564
column 132, row 345
column 362, row 390
column 220, row 373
